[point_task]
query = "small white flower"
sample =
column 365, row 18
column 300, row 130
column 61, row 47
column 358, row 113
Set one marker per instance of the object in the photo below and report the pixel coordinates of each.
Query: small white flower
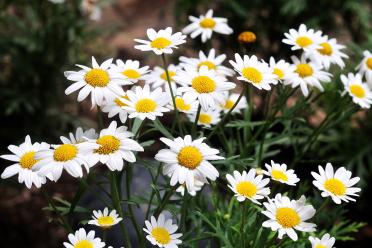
column 185, row 104
column 365, row 67
column 115, row 107
column 205, row 25
column 91, row 9
column 279, row 172
column 338, row 185
column 82, row 239
column 326, row 242
column 306, row 39
column 283, row 70
column 198, row 185
column 158, row 78
column 105, row 219
column 359, row 91
column 56, row 1
column 131, row 70
column 80, row 136
column 229, row 102
column 207, row 118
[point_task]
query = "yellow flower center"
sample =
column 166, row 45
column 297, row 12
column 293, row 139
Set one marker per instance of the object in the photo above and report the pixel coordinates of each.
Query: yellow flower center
column 181, row 105
column 279, row 73
column 357, row 90
column 246, row 189
column 304, row 70
column 207, row 23
column 119, row 102
column 160, row 43
column 335, row 186
column 209, row 64
column 326, row 49
column 205, row 118
column 320, row 246
column 83, row 244
column 287, row 217
column 161, row 235
column 130, row 73
column 105, row 221
column 97, row 78
column 109, row 144
column 203, row 84
column 189, row 157
column 28, row 160
column 228, row 104
column 279, row 175
column 369, row 63
column 252, row 74
column 304, row 41
column 170, row 73
column 65, row 152
column 145, row 105
column 247, row 37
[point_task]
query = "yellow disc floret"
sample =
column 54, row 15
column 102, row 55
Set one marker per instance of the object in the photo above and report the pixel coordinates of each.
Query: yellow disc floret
column 132, row 74
column 279, row 175
column 161, row 235
column 119, row 102
column 189, row 157
column 287, row 217
column 109, row 144
column 326, row 49
column 369, row 63
column 304, row 41
column 357, row 90
column 209, row 64
column 320, row 246
column 279, row 73
column 246, row 189
column 203, row 84
column 170, row 73
column 205, row 118
column 160, row 43
column 228, row 104
column 335, row 186
column 65, row 152
column 83, row 244
column 247, row 37
column 105, row 221
column 304, row 70
column 97, row 78
column 252, row 74
column 28, row 160
column 207, row 23
column 181, row 105
column 145, row 105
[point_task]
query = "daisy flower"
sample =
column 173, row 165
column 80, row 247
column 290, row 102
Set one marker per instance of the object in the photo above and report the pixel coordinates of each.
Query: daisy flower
column 185, row 104
column 142, row 103
column 187, row 159
column 359, row 91
column 115, row 146
column 198, row 185
column 229, row 102
column 161, row 42
column 131, row 70
column 105, row 219
column 161, row 232
column 248, row 186
column 306, row 39
column 115, row 107
column 308, row 73
column 82, row 239
column 326, row 242
column 80, row 136
column 279, row 172
column 253, row 71
column 205, row 25
column 207, row 118
column 281, row 69
column 212, row 61
column 24, row 161
column 205, row 85
column 286, row 216
column 158, row 78
column 365, row 67
column 338, row 185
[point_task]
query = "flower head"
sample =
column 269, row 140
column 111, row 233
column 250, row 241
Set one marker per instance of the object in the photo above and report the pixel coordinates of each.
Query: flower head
column 305, row 39
column 230, row 100
column 207, row 118
column 279, row 172
column 365, row 66
column 105, row 219
column 131, row 70
column 82, row 239
column 283, row 70
column 326, row 242
column 247, row 37
column 359, row 91
column 115, row 107
column 158, row 78
column 185, row 104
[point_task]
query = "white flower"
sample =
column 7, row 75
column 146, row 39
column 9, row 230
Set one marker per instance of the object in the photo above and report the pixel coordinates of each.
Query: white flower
column 105, row 219
column 338, row 185
column 308, row 73
column 184, row 104
column 158, row 78
column 212, row 61
column 365, row 67
column 279, row 172
column 204, row 84
column 248, row 186
column 207, row 118
column 306, row 39
column 143, row 103
column 102, row 82
column 56, row 1
column 206, row 25
column 115, row 107
column 253, row 71
column 198, row 185
column 161, row 232
column 114, row 146
column 80, row 136
column 359, row 91
column 283, row 70
column 326, row 242
column 187, row 159
column 161, row 42
column 24, row 161
column 82, row 239
column 286, row 216
column 131, row 70
column 229, row 102
column 92, row 9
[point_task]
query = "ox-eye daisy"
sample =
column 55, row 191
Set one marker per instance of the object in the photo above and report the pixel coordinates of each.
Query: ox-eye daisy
column 115, row 107
column 204, row 84
column 81, row 239
column 207, row 118
column 229, row 102
column 338, row 185
column 248, row 185
column 253, row 71
column 359, row 91
column 184, row 104
column 365, row 67
column 158, row 78
column 326, row 242
column 131, row 70
column 24, row 161
column 161, row 232
column 286, row 216
column 105, row 219
column 80, row 136
column 306, row 39
column 198, row 185
column 161, row 42
column 281, row 69
column 102, row 82
column 114, row 146
column 187, row 159
column 206, row 25
column 279, row 172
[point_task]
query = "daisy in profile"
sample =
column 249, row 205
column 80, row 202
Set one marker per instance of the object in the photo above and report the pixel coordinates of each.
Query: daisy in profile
column 23, row 159
column 105, row 219
column 80, row 136
column 115, row 107
column 114, row 146
column 359, row 91
column 161, row 42
column 131, row 70
column 185, row 104
column 279, row 172
column 304, row 38
column 207, row 118
column 308, row 73
column 143, row 103
column 162, row 232
column 338, row 185
column 281, row 69
column 326, row 242
column 82, row 239
column 248, row 186
column 365, row 67
column 212, row 61
column 102, row 82
column 198, row 185
column 286, row 216
column 230, row 100
column 253, row 71
column 205, row 85
column 205, row 25
column 158, row 77
column 188, row 159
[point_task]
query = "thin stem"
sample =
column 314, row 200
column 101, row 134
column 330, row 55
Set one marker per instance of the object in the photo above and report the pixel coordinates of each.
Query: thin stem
column 99, row 118
column 194, row 127
column 185, row 202
column 139, row 129
column 153, row 192
column 243, row 222
column 324, row 204
column 164, row 201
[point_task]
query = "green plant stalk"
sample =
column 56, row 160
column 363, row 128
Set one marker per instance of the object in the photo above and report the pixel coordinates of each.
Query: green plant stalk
column 185, row 202
column 99, row 118
column 247, row 114
column 194, row 127
column 164, row 201
column 152, row 192
column 244, row 215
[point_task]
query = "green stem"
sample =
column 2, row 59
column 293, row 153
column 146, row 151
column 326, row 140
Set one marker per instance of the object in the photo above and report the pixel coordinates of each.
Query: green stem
column 243, row 222
column 153, row 192
column 164, row 201
column 194, row 127
column 99, row 118
column 185, row 201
